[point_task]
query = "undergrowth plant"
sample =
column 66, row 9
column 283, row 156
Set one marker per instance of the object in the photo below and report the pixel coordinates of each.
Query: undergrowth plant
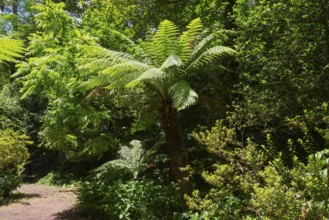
column 251, row 182
column 119, row 190
column 13, row 157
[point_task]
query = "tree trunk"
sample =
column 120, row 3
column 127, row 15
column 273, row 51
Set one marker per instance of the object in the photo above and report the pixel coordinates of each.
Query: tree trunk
column 175, row 146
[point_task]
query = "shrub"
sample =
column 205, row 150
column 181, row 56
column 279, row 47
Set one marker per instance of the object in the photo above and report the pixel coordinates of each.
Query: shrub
column 13, row 157
column 8, row 183
column 251, row 182
column 119, row 198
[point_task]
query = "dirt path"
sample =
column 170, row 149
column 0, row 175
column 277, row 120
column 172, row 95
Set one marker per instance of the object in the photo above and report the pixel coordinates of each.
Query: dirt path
column 41, row 203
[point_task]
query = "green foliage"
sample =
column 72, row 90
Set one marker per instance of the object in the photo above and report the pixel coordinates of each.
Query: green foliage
column 14, row 153
column 168, row 59
column 12, row 113
column 248, row 183
column 128, row 199
column 78, row 128
column 13, row 157
column 10, row 49
column 54, row 178
column 8, row 183
column 283, row 68
column 132, row 159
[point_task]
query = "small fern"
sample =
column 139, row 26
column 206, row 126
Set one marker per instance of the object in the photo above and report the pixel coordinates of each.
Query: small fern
column 131, row 159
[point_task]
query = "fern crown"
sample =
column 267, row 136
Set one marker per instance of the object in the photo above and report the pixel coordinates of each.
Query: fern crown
column 161, row 64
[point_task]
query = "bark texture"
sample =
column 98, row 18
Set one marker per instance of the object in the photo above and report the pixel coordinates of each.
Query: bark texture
column 175, row 146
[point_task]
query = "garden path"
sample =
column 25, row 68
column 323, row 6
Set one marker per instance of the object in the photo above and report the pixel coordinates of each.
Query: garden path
column 40, row 202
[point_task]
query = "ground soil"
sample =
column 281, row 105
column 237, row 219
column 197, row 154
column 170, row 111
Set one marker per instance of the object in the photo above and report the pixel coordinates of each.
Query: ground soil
column 40, row 202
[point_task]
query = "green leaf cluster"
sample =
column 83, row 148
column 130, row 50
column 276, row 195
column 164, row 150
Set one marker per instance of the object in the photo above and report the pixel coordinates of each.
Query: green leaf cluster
column 250, row 182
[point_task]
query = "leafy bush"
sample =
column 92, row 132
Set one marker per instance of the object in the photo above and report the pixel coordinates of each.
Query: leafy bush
column 117, row 190
column 251, row 182
column 58, row 178
column 8, row 182
column 13, row 157
column 128, row 199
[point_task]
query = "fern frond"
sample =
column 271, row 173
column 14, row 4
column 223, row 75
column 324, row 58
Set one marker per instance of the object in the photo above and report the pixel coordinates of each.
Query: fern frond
column 116, row 163
column 125, row 153
column 210, row 55
column 137, row 48
column 97, row 58
column 23, row 68
column 172, row 60
column 195, row 27
column 120, row 163
column 97, row 81
column 123, row 73
column 149, row 74
column 204, row 42
column 182, row 95
column 136, row 152
column 128, row 66
column 10, row 49
column 188, row 38
column 163, row 43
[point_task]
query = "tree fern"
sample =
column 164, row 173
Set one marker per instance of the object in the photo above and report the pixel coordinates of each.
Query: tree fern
column 171, row 56
column 163, row 75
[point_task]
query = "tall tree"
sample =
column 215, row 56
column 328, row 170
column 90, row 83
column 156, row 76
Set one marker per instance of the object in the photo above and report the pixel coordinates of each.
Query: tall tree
column 161, row 66
column 283, row 64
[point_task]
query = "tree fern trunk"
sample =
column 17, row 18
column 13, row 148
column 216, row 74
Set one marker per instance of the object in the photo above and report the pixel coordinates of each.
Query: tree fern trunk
column 175, row 146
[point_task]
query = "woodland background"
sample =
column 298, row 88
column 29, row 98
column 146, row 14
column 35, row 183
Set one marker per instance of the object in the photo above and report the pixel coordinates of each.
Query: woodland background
column 169, row 109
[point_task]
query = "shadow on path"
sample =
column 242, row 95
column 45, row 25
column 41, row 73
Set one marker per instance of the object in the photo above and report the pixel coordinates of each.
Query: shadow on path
column 70, row 214
column 18, row 197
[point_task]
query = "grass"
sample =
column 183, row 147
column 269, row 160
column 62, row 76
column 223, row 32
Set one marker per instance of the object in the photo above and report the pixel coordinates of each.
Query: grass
column 56, row 179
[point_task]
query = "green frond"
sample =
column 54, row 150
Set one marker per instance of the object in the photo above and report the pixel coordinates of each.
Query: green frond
column 136, row 151
column 137, row 48
column 97, row 58
column 136, row 144
column 163, row 43
column 97, row 81
column 188, row 38
column 210, row 55
column 10, row 49
column 120, row 163
column 117, row 163
column 201, row 45
column 123, row 73
column 23, row 68
column 172, row 60
column 195, row 27
column 149, row 74
column 126, row 153
column 182, row 95
column 121, row 68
